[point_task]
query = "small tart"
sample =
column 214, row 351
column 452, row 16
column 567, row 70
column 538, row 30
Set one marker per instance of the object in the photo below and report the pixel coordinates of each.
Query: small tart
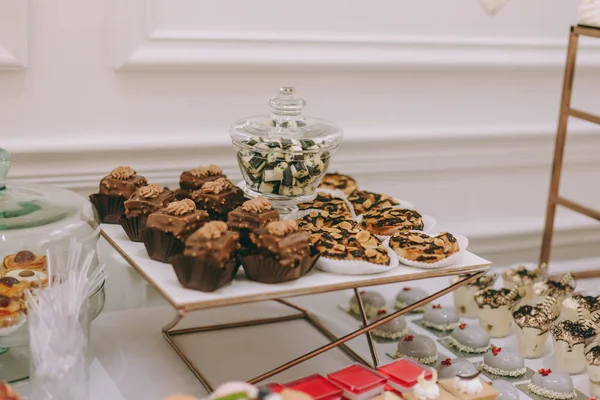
column 361, row 246
column 327, row 202
column 420, row 247
column 315, row 221
column 364, row 201
column 335, row 181
column 31, row 277
column 25, row 259
column 389, row 220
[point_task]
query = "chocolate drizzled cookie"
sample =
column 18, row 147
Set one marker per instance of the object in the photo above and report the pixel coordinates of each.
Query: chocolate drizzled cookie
column 418, row 246
column 364, row 201
column 389, row 220
column 316, row 220
column 327, row 202
column 335, row 181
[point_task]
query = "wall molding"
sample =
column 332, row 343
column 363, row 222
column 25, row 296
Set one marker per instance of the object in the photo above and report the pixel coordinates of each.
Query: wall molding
column 14, row 34
column 148, row 46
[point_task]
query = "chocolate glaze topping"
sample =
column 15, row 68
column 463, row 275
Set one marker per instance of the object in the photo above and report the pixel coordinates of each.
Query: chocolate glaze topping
column 593, row 356
column 534, row 317
column 494, row 298
column 572, row 332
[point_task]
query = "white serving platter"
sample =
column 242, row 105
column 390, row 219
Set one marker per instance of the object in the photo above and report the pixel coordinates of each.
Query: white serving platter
column 162, row 277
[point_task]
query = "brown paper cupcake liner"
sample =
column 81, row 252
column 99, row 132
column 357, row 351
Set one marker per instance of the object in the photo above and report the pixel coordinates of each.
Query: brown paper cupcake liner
column 160, row 245
column 110, row 208
column 133, row 226
column 202, row 273
column 267, row 269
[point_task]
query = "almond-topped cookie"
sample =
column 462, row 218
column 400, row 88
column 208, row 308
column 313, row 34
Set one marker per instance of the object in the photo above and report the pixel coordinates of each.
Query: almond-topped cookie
column 327, row 202
column 316, row 220
column 420, row 247
column 359, row 246
column 335, row 181
column 364, row 201
column 388, row 220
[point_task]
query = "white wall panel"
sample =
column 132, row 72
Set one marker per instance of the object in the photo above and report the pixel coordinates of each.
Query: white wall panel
column 13, row 34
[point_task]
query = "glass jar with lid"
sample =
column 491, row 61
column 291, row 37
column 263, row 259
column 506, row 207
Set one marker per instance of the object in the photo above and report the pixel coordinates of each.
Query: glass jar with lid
column 34, row 219
column 284, row 156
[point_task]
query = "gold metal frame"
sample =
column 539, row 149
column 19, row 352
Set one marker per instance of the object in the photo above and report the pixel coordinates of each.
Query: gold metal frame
column 567, row 111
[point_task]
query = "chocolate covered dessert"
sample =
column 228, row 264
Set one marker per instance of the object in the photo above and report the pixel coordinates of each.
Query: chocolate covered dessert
column 25, row 259
column 419, row 348
column 495, row 308
column 218, row 198
column 388, row 220
column 569, row 342
column 114, row 189
column 335, row 181
column 552, row 384
column 470, row 338
column 143, row 202
column 440, row 318
column 423, row 248
column 392, row 330
column 195, row 178
column 373, row 303
column 504, row 362
column 167, row 228
column 364, row 201
column 280, row 252
column 252, row 214
column 410, row 295
column 533, row 324
column 327, row 202
column 209, row 260
column 464, row 296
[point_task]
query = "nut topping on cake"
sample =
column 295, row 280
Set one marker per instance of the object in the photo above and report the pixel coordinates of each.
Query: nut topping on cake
column 281, row 228
column 151, row 191
column 218, row 186
column 256, row 205
column 212, row 230
column 182, row 207
column 203, row 172
column 122, row 173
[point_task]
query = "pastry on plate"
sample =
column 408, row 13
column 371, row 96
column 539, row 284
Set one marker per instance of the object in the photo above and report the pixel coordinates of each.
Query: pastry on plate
column 504, row 362
column 195, row 178
column 470, row 338
column 209, row 260
column 525, row 277
column 391, row 330
column 143, row 202
column 316, row 221
column 588, row 302
column 35, row 278
column 448, row 368
column 10, row 312
column 464, row 296
column 423, row 248
column 280, row 252
column 114, row 189
column 410, row 295
column 251, row 215
column 364, row 201
column 218, row 198
column 361, row 246
column 373, row 303
column 388, row 220
column 570, row 338
column 335, row 181
column 552, row 384
column 440, row 318
column 327, row 202
column 495, row 308
column 25, row 259
column 559, row 289
column 167, row 228
column 469, row 387
column 533, row 324
column 419, row 348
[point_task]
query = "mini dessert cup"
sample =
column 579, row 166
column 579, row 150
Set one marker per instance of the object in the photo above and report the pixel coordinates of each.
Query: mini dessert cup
column 552, row 384
column 280, row 253
column 209, row 260
column 533, row 324
column 448, row 368
column 373, row 303
column 391, row 330
column 558, row 289
column 470, row 338
column 569, row 342
column 409, row 296
column 444, row 319
column 428, row 390
column 218, row 198
column 469, row 387
column 428, row 250
column 114, row 189
column 524, row 276
column 464, row 296
column 592, row 357
column 495, row 308
column 317, row 387
column 358, row 382
column 504, row 362
column 144, row 201
column 251, row 215
column 419, row 348
column 403, row 374
column 589, row 301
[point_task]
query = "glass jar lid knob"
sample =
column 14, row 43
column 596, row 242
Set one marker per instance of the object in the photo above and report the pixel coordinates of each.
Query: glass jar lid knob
column 287, row 103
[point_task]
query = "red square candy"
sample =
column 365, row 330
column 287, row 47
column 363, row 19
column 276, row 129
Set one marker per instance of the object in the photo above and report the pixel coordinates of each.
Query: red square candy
column 357, row 379
column 404, row 372
column 316, row 386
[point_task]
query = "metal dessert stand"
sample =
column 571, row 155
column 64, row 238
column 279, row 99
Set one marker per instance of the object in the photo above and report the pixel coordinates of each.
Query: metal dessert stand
column 242, row 291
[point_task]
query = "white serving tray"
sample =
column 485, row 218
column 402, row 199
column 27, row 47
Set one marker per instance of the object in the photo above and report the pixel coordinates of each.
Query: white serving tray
column 162, row 277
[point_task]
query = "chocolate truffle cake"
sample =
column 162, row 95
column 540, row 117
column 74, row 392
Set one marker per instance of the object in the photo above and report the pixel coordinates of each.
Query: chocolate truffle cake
column 218, row 198
column 423, row 248
column 114, row 189
column 335, row 181
column 143, row 202
column 251, row 215
column 388, row 220
column 364, row 201
column 419, row 348
column 373, row 303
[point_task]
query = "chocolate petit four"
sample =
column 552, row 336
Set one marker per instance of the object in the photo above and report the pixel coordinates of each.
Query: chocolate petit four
column 552, row 384
column 504, row 362
column 114, row 189
column 469, row 387
column 195, row 178
column 10, row 312
column 533, row 325
column 280, row 252
column 592, row 357
column 392, row 330
column 589, row 304
column 559, row 289
column 167, row 228
column 422, row 248
column 373, row 303
column 440, row 318
column 428, row 390
column 143, row 202
column 25, row 259
column 459, row 366
column 410, row 295
column 252, row 214
column 419, row 348
column 470, row 338
column 464, row 296
column 389, row 220
column 507, row 391
column 327, row 202
column 524, row 277
column 495, row 310
column 364, row 201
column 335, row 181
column 570, row 338
column 218, row 198
column 209, row 260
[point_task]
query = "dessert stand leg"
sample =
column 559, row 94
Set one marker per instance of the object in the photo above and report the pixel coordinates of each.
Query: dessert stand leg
column 365, row 322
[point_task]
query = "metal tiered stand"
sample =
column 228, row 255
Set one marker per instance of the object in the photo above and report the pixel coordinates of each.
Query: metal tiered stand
column 567, row 111
column 241, row 291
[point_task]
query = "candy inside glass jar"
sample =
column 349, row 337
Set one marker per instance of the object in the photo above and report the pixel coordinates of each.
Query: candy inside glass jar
column 283, row 156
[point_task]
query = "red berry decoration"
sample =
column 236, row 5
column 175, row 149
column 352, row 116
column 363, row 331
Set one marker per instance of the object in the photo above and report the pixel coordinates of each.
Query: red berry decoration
column 381, row 312
column 496, row 350
column 406, row 288
column 362, row 292
column 462, row 326
column 544, row 372
column 409, row 338
column 436, row 306
column 447, row 362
